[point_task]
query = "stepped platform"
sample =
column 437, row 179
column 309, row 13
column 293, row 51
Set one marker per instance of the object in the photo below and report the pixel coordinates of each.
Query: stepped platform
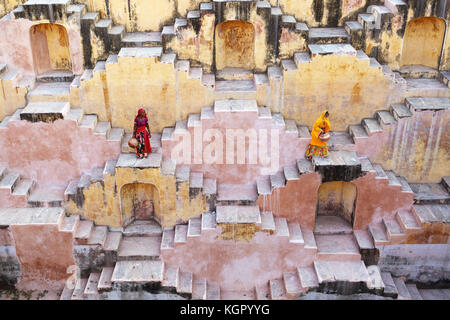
column 143, row 228
column 45, row 111
column 26, row 216
column 331, row 224
column 129, row 160
column 428, row 193
column 327, row 35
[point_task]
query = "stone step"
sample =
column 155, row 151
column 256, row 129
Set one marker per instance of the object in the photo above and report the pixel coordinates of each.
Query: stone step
column 384, row 117
column 295, row 233
column 182, row 173
column 129, row 160
column 45, row 111
column 341, row 140
column 234, row 74
column 98, row 236
column 288, row 65
column 403, row 293
column 390, row 290
column 375, row 282
column 109, row 169
column 446, row 183
column 405, row 185
column 426, row 88
column 113, row 240
column 407, row 221
column 308, row 277
column 444, row 77
column 102, row 128
column 264, row 113
column 263, row 186
column 371, row 126
column 392, row 179
column 53, row 91
column 139, row 248
column 380, row 173
column 194, row 227
column 304, row 166
column 400, row 111
column 104, row 282
column 367, row 20
column 208, row 221
column 267, row 221
column 341, row 49
column 413, row 291
column 142, row 39
column 378, row 233
column 235, row 89
column 212, row 291
column 430, row 193
column 70, row 224
column 89, row 121
column 424, row 214
column 262, row 291
column 78, row 292
column 66, row 293
column 55, row 76
column 337, row 247
column 339, row 165
column 9, row 181
column 277, row 289
column 291, row 173
column 357, row 132
column 184, row 284
column 236, row 193
column 281, row 227
column 292, row 284
column 331, row 224
column 341, row 271
column 91, row 286
column 277, row 180
column 167, row 240
column 209, row 186
column 435, row 294
column 138, row 271
column 366, row 165
column 364, row 240
column 84, row 230
column 75, row 115
column 238, row 214
column 327, row 35
column 418, row 71
column 229, row 105
column 31, row 216
column 143, row 228
column 180, row 235
column 393, row 229
column 199, row 288
column 43, row 196
column 310, row 240
column 171, row 275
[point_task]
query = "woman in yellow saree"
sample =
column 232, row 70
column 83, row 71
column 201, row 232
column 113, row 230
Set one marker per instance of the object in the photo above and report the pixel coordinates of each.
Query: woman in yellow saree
column 318, row 147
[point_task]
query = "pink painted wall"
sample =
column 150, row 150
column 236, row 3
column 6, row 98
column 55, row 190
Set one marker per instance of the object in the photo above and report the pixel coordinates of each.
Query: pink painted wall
column 297, row 201
column 238, row 265
column 16, row 48
column 15, row 45
column 54, row 153
column 376, row 199
column 291, row 148
column 44, row 253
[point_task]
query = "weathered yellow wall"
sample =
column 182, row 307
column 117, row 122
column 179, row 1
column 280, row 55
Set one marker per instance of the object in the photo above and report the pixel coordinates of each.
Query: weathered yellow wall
column 346, row 86
column 235, row 45
column 391, row 44
column 337, row 197
column 110, row 203
column 304, row 10
column 197, row 48
column 290, row 43
column 11, row 98
column 423, row 41
column 167, row 94
column 136, row 195
column 57, row 43
column 93, row 96
column 7, row 6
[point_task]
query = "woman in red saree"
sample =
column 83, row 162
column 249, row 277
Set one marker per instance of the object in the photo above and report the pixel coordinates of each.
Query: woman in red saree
column 141, row 133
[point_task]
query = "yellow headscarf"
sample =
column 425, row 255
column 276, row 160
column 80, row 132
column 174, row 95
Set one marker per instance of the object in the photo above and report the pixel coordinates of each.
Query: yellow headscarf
column 322, row 124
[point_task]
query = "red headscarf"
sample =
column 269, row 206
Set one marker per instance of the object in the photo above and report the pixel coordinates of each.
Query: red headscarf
column 141, row 112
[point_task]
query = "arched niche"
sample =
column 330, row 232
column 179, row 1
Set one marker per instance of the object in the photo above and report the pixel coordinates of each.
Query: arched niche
column 423, row 41
column 235, row 45
column 50, row 46
column 139, row 201
column 337, row 198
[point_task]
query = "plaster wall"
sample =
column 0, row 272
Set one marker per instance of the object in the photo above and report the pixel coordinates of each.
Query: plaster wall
column 238, row 265
column 54, row 153
column 347, row 87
